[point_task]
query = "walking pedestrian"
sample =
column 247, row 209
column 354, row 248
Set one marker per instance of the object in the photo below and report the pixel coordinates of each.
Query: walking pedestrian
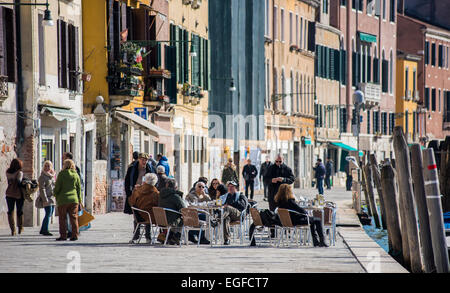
column 14, row 198
column 277, row 174
column 264, row 167
column 320, row 175
column 329, row 172
column 163, row 161
column 249, row 173
column 145, row 197
column 46, row 199
column 69, row 156
column 134, row 176
column 68, row 198
column 229, row 173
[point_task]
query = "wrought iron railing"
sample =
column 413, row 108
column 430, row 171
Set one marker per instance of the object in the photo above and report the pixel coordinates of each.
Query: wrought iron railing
column 3, row 86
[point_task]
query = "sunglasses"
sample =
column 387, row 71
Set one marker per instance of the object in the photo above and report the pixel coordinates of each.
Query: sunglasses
column 278, row 161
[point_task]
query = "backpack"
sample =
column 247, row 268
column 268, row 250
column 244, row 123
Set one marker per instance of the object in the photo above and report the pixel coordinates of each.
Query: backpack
column 269, row 218
column 28, row 188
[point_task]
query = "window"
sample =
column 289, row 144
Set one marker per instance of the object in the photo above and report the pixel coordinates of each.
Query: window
column 439, row 100
column 360, row 5
column 391, row 123
column 267, row 18
column 291, row 19
column 305, row 38
column 368, row 122
column 427, row 98
column 282, row 25
column 296, row 29
column 283, row 89
column 301, row 33
column 384, row 9
column 385, row 76
column 414, row 82
column 343, row 120
column 41, row 40
column 433, row 100
column 427, row 53
column 433, row 54
column 406, row 81
column 267, row 84
column 343, row 2
column 275, row 88
column 384, row 125
column 391, row 73
column 8, row 63
column 275, row 23
column 325, row 6
column 441, row 56
column 68, row 56
column 392, row 11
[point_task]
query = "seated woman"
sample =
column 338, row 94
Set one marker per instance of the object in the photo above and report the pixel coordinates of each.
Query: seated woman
column 285, row 199
column 145, row 197
column 198, row 195
column 212, row 190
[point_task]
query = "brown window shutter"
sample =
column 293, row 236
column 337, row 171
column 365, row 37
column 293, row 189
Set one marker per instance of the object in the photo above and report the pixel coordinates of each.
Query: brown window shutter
column 71, row 56
column 10, row 44
column 59, row 30
column 2, row 44
column 65, row 60
column 77, row 57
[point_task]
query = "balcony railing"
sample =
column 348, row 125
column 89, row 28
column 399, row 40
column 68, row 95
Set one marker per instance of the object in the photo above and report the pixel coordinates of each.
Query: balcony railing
column 372, row 92
column 3, row 88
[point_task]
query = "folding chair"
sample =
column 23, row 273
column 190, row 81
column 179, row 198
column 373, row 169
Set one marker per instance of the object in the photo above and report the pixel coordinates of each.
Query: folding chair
column 289, row 229
column 191, row 222
column 259, row 226
column 329, row 224
column 141, row 225
column 161, row 220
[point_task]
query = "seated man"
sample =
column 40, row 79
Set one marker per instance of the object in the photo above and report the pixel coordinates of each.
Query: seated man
column 234, row 204
column 198, row 194
column 201, row 179
column 162, row 177
column 145, row 197
column 171, row 198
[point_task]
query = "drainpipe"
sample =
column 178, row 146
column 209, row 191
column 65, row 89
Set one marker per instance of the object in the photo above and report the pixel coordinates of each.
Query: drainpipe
column 20, row 134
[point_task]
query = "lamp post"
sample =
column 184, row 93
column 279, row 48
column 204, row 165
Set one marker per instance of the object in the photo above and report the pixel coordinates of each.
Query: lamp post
column 358, row 101
column 48, row 20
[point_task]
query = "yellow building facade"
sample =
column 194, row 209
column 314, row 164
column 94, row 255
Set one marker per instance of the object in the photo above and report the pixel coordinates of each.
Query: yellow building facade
column 407, row 95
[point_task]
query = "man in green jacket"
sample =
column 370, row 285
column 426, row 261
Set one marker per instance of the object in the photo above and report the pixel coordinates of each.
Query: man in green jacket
column 68, row 197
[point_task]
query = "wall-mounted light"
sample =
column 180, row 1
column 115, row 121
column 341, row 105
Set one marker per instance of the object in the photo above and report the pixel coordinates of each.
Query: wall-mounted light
column 48, row 21
column 232, row 87
column 192, row 52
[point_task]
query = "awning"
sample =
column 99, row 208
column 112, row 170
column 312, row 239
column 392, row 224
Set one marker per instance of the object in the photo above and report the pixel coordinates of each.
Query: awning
column 347, row 147
column 60, row 114
column 367, row 38
column 137, row 122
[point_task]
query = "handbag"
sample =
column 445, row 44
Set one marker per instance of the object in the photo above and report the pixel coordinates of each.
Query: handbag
column 85, row 218
column 38, row 203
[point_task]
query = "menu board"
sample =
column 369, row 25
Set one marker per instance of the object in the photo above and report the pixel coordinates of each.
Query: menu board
column 117, row 195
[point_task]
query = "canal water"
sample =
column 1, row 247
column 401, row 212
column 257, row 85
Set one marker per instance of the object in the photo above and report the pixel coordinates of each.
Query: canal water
column 380, row 236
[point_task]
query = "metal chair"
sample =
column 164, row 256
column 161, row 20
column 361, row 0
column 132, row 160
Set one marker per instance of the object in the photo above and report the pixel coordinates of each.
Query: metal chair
column 259, row 226
column 241, row 224
column 289, row 229
column 329, row 224
column 191, row 222
column 140, row 224
column 161, row 220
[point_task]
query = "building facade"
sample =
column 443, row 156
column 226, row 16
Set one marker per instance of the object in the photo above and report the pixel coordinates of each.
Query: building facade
column 328, row 91
column 189, row 88
column 290, row 84
column 236, row 110
column 368, row 49
column 432, row 43
column 407, row 96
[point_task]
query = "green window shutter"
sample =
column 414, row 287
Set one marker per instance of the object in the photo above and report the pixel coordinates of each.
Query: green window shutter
column 185, row 56
column 354, row 66
column 368, row 122
column 178, row 53
column 171, row 59
column 319, row 60
column 201, row 63
column 369, row 69
column 158, row 65
column 331, row 64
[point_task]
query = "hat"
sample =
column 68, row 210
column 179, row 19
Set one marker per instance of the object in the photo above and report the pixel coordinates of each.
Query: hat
column 143, row 156
column 232, row 183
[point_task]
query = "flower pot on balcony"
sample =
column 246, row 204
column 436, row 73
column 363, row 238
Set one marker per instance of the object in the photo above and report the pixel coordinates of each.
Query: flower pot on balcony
column 160, row 73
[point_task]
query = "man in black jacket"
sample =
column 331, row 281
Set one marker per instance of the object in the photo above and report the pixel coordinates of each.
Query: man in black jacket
column 234, row 204
column 134, row 176
column 249, row 173
column 277, row 174
column 264, row 167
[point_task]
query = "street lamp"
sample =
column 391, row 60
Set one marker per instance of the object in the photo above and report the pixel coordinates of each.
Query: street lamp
column 48, row 21
column 358, row 101
column 232, row 87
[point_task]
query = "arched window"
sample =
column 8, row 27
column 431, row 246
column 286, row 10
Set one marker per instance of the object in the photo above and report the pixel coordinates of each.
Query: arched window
column 275, row 89
column 268, row 94
column 291, row 94
column 391, row 73
column 300, row 102
column 283, row 90
column 297, row 95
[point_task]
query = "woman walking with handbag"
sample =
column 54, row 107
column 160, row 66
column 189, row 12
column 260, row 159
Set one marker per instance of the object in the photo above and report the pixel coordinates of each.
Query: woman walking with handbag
column 46, row 199
column 14, row 197
column 68, row 198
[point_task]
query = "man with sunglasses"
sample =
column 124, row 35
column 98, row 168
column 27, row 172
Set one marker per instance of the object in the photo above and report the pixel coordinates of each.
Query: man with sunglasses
column 277, row 174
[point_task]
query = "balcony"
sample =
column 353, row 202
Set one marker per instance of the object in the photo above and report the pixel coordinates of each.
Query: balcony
column 372, row 93
column 3, row 88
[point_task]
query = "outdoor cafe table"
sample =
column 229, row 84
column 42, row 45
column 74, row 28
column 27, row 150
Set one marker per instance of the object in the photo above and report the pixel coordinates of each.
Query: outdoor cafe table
column 210, row 210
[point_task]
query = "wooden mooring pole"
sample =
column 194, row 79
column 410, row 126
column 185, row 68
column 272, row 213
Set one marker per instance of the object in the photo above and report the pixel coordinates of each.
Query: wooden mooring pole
column 364, row 188
column 430, row 174
column 373, row 204
column 422, row 210
column 377, row 182
column 403, row 168
column 390, row 196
